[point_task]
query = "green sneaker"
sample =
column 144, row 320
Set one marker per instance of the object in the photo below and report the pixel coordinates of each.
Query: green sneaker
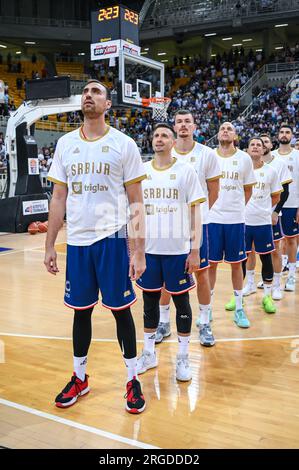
column 240, row 319
column 268, row 304
column 231, row 305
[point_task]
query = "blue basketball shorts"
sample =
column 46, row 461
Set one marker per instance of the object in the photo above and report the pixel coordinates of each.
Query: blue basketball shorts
column 168, row 270
column 288, row 221
column 227, row 241
column 259, row 238
column 103, row 266
column 277, row 231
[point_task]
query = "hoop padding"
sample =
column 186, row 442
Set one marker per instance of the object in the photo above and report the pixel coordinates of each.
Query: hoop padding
column 159, row 107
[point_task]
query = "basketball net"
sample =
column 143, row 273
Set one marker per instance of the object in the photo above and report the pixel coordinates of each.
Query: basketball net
column 159, row 107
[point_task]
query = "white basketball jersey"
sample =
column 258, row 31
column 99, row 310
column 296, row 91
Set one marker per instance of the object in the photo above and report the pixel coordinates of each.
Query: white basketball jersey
column 96, row 173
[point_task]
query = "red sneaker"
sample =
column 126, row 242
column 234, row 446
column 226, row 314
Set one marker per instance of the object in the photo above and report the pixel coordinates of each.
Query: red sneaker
column 74, row 389
column 135, row 399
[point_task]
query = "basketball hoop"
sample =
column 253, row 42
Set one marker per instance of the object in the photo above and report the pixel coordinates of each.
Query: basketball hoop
column 159, row 107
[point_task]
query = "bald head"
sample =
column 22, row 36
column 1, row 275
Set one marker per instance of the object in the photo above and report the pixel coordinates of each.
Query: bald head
column 227, row 133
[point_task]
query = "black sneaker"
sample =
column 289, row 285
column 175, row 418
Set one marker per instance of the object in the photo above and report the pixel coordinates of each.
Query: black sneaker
column 135, row 399
column 72, row 391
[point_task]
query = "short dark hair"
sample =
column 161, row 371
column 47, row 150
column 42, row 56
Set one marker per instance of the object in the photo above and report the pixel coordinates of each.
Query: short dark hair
column 255, row 138
column 165, row 125
column 287, row 126
column 94, row 80
column 183, row 112
column 266, row 134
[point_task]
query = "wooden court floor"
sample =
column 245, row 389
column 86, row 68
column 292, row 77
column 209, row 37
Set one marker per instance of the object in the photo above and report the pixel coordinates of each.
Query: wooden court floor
column 244, row 391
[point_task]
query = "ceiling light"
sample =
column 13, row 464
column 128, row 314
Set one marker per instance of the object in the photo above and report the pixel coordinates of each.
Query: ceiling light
column 146, row 49
column 143, row 53
column 259, row 50
column 213, row 55
column 161, row 53
column 279, row 47
column 19, row 52
column 281, row 25
column 247, row 40
column 210, row 34
column 30, row 42
column 237, row 45
column 164, row 60
column 226, row 39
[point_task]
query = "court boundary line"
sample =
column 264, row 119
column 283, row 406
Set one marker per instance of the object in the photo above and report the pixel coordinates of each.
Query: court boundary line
column 38, row 249
column 170, row 341
column 76, row 425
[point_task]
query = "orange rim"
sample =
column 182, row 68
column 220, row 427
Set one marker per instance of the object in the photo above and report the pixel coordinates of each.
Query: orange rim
column 147, row 101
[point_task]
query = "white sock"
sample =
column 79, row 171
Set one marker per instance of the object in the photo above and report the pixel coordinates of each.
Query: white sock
column 292, row 269
column 267, row 289
column 131, row 365
column 276, row 280
column 165, row 313
column 183, row 344
column 80, row 364
column 239, row 297
column 284, row 259
column 204, row 313
column 250, row 276
column 149, row 342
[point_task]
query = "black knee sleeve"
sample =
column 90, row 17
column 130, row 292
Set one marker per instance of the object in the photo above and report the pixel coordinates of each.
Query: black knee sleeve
column 126, row 334
column 267, row 267
column 151, row 309
column 183, row 312
column 82, row 332
column 244, row 268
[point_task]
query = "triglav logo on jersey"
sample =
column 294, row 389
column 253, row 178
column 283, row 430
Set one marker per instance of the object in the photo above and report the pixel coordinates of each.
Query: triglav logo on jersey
column 77, row 188
column 149, row 209
column 105, row 149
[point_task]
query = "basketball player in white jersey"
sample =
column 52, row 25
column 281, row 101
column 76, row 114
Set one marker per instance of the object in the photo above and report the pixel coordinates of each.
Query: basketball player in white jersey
column 172, row 195
column 206, row 165
column 258, row 219
column 227, row 216
column 285, row 179
column 290, row 212
column 95, row 170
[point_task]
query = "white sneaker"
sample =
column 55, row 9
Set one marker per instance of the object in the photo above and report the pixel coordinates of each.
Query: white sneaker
column 290, row 284
column 183, row 371
column 249, row 289
column 276, row 293
column 146, row 361
column 260, row 284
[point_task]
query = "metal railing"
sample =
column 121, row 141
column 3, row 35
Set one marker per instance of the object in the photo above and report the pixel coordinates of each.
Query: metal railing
column 278, row 67
column 144, row 10
column 3, row 181
column 57, row 126
column 180, row 12
column 252, row 81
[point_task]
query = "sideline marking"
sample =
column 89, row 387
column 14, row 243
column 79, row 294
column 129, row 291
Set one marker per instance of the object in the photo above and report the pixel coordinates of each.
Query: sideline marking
column 111, row 340
column 74, row 424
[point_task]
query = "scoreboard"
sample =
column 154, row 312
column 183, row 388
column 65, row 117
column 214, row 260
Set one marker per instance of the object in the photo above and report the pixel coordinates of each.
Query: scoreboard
column 115, row 23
